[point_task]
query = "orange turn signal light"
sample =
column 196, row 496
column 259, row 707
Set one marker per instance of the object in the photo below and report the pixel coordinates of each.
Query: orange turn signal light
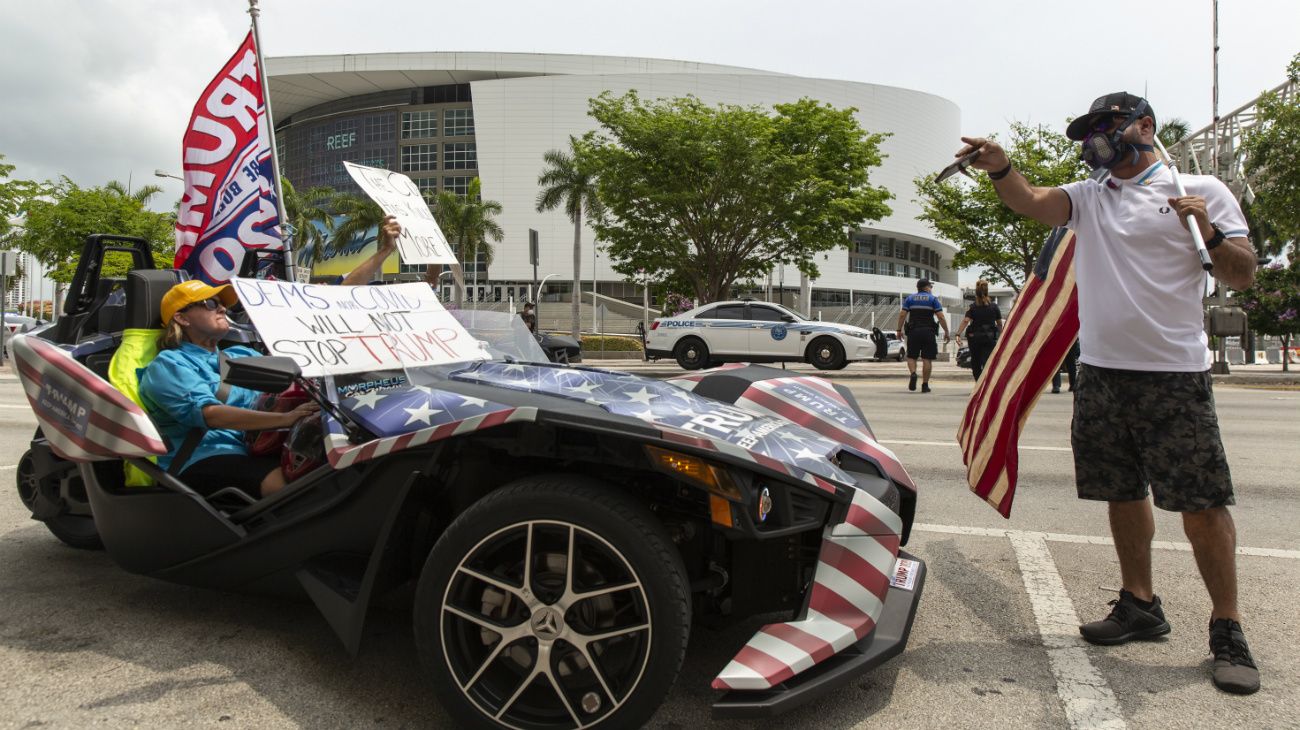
column 697, row 470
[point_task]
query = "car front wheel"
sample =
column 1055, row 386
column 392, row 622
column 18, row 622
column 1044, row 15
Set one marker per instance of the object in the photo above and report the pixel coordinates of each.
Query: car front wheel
column 826, row 353
column 554, row 602
column 692, row 354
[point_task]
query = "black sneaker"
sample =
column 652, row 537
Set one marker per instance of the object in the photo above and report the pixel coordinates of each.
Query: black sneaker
column 1127, row 621
column 925, row 387
column 1234, row 668
column 911, row 383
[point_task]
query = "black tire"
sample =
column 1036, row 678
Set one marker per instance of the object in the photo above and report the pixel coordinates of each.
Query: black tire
column 613, row 682
column 826, row 353
column 692, row 354
column 902, row 354
column 74, row 530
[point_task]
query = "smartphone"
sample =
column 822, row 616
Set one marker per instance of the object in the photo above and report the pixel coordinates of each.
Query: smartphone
column 959, row 166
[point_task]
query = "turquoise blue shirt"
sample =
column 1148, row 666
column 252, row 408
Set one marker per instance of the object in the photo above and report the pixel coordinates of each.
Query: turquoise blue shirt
column 177, row 385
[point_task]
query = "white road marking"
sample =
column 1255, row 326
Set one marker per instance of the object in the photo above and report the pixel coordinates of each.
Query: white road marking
column 1095, row 540
column 25, row 407
column 1089, row 702
column 954, row 444
column 7, row 467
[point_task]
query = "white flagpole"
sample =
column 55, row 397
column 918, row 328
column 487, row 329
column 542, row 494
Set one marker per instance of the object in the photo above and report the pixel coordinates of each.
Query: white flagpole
column 289, row 264
column 1192, row 226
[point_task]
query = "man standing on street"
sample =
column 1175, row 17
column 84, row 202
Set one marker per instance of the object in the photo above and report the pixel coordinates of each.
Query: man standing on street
column 919, row 314
column 1144, row 409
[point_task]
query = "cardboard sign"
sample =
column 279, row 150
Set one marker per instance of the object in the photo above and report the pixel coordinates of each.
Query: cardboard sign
column 331, row 330
column 421, row 241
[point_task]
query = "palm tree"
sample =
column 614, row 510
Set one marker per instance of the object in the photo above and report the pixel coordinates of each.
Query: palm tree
column 469, row 222
column 142, row 195
column 565, row 183
column 303, row 213
column 360, row 215
column 1172, row 131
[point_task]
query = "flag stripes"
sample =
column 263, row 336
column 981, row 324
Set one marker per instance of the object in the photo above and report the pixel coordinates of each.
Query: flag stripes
column 1039, row 332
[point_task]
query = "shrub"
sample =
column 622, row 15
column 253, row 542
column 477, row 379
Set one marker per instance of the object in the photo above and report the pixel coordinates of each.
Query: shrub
column 609, row 343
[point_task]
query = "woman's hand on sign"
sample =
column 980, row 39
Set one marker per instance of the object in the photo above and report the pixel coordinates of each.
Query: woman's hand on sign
column 389, row 230
column 992, row 157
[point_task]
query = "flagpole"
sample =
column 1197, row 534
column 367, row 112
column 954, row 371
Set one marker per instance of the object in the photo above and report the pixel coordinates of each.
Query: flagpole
column 290, row 267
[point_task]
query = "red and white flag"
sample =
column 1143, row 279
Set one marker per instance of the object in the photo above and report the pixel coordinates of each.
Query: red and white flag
column 1039, row 332
column 229, row 204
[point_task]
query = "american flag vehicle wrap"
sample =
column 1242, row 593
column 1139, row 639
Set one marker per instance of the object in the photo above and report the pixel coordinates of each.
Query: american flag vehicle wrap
column 81, row 415
column 847, row 595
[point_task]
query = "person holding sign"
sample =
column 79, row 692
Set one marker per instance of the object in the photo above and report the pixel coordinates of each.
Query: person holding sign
column 203, row 419
column 389, row 231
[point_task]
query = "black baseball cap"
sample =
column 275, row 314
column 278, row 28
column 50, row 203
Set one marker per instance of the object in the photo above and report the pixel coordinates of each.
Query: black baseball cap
column 923, row 284
column 1121, row 102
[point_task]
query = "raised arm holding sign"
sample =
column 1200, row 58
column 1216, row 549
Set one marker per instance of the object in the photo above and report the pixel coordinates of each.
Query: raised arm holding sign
column 421, row 240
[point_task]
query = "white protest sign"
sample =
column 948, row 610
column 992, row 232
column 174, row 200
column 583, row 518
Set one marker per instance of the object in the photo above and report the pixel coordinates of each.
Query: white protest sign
column 421, row 241
column 331, row 330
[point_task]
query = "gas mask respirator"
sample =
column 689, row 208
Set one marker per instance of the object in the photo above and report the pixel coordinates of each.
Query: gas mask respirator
column 1105, row 150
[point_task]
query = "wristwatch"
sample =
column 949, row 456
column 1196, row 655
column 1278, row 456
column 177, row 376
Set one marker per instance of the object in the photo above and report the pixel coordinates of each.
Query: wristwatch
column 1216, row 239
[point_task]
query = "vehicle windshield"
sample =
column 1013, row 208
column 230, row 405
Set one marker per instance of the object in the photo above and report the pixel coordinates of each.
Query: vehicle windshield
column 501, row 336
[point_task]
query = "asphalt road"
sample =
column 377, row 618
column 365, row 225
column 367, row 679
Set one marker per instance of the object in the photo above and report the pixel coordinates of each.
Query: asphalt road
column 83, row 643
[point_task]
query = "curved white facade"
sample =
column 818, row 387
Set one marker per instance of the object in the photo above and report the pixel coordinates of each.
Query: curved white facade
column 526, row 104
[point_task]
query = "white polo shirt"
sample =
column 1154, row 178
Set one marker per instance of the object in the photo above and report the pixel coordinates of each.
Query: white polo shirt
column 1140, row 280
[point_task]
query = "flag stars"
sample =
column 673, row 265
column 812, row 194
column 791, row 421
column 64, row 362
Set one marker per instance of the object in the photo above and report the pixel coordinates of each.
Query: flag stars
column 367, row 400
column 641, row 396
column 421, row 414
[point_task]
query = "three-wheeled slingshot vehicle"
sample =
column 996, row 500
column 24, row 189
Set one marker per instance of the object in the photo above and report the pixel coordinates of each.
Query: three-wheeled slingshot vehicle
column 564, row 525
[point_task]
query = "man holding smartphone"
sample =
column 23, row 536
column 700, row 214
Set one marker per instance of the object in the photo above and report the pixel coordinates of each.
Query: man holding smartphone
column 1144, row 409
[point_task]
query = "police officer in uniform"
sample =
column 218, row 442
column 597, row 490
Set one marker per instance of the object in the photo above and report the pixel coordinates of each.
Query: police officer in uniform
column 921, row 316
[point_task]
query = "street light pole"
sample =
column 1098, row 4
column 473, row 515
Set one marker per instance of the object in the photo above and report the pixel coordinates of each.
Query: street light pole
column 537, row 303
column 164, row 173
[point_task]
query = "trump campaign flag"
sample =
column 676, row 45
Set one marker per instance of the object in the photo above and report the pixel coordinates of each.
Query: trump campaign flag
column 1039, row 332
column 230, row 203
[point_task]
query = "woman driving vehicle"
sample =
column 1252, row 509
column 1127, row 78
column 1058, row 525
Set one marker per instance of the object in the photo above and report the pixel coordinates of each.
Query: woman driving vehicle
column 182, row 391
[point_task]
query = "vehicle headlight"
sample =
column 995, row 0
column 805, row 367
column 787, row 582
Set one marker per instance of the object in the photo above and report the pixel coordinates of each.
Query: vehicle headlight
column 860, row 335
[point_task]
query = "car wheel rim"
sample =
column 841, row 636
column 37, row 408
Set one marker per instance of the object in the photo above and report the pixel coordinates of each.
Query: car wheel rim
column 546, row 624
column 28, row 484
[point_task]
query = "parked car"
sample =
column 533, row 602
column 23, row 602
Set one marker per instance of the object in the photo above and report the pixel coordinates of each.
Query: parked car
column 758, row 332
column 563, row 526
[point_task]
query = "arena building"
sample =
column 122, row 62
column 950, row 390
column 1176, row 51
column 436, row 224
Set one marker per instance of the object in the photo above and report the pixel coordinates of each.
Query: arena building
column 445, row 118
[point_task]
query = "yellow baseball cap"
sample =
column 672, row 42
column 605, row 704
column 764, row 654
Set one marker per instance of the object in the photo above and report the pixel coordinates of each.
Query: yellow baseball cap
column 192, row 292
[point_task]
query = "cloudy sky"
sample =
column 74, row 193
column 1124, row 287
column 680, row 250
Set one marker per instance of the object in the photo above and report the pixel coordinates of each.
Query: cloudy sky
column 99, row 90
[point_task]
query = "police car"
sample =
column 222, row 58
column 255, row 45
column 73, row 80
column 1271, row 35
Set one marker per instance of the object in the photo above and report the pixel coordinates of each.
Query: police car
column 749, row 331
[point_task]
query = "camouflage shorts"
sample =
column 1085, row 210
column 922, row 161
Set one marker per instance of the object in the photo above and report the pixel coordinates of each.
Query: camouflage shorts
column 1134, row 429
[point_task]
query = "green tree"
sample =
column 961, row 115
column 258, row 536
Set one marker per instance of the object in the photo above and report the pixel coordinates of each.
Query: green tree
column 141, row 195
column 564, row 184
column 469, row 222
column 1272, row 303
column 1001, row 243
column 56, row 225
column 304, row 212
column 13, row 194
column 361, row 218
column 719, row 193
column 1172, row 131
column 1272, row 148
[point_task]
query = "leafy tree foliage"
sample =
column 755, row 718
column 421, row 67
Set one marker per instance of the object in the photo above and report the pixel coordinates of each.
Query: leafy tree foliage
column 309, row 219
column 1272, row 150
column 713, row 194
column 13, row 193
column 1272, row 303
column 1001, row 243
column 56, row 225
column 564, row 184
column 468, row 222
column 1172, row 131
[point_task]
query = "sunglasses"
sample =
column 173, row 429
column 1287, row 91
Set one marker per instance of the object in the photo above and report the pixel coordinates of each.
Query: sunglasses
column 211, row 305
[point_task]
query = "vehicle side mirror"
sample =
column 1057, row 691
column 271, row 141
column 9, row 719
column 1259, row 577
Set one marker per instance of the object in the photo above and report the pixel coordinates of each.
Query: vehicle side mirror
column 263, row 374
column 787, row 318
